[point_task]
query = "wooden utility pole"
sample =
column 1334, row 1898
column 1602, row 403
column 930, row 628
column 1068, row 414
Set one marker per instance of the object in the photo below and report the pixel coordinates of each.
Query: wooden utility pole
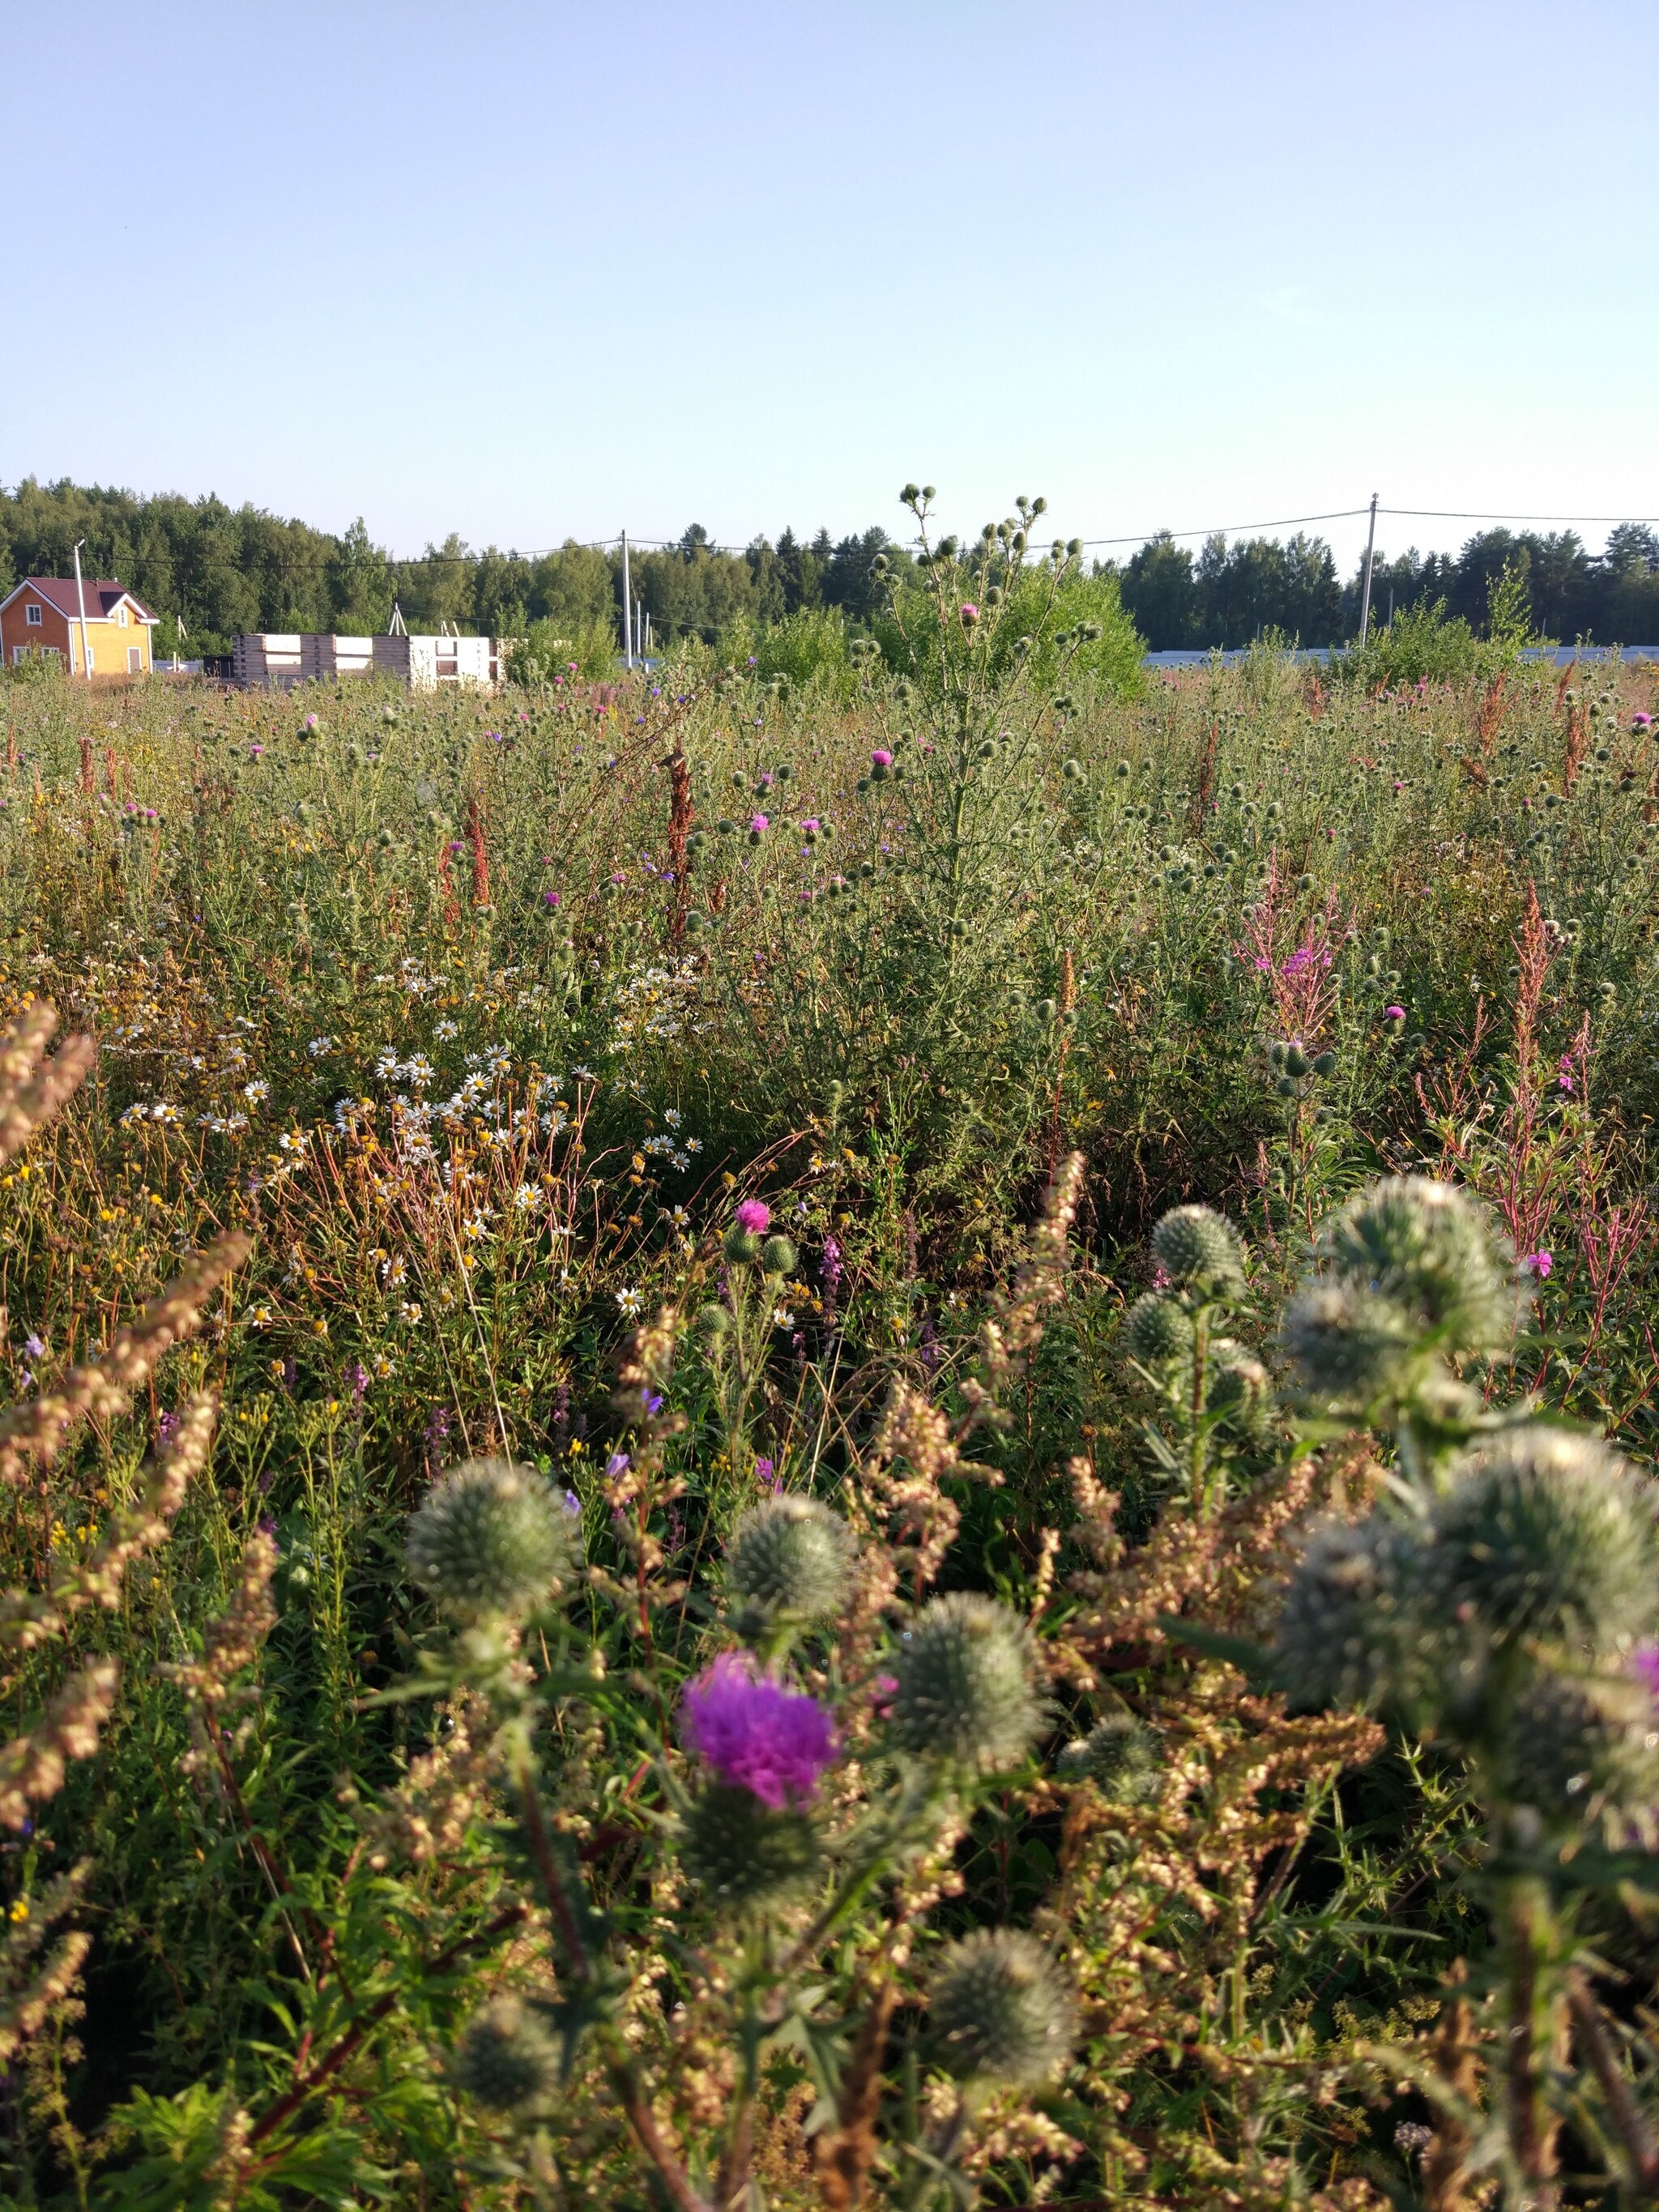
column 1365, row 595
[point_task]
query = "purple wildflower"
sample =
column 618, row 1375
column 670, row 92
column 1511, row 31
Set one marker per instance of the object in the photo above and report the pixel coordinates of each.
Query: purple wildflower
column 1644, row 1665
column 1393, row 1013
column 652, row 1400
column 617, row 1464
column 755, row 1734
column 754, row 1217
column 1540, row 1263
column 881, row 757
column 33, row 1347
column 757, row 823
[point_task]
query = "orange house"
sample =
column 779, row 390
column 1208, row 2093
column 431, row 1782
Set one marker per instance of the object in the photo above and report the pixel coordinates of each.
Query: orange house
column 43, row 615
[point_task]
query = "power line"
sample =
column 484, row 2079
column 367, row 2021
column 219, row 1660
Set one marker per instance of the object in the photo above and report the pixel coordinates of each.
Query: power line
column 1457, row 514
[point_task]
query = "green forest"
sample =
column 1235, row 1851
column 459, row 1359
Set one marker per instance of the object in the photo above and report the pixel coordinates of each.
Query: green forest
column 217, row 569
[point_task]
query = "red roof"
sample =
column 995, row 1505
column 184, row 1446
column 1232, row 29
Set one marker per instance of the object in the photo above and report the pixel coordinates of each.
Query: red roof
column 102, row 596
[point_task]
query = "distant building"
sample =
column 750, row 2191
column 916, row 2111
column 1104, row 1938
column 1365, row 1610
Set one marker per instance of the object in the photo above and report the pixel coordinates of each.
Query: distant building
column 43, row 615
column 280, row 658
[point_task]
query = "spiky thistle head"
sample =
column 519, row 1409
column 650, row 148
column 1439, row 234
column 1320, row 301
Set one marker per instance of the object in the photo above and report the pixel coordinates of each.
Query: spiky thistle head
column 508, row 2059
column 1238, row 1385
column 747, row 1855
column 1578, row 1747
column 967, row 1690
column 1350, row 1631
column 1433, row 1249
column 1199, row 1250
column 491, row 1537
column 1002, row 2010
column 789, row 1560
column 1159, row 1331
column 1119, row 1756
column 1547, row 1537
column 1349, row 1347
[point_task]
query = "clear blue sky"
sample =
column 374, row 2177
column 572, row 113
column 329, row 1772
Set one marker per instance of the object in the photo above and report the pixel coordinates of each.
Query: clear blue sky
column 525, row 270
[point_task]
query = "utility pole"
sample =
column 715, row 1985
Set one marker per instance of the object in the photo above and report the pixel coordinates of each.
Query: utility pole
column 628, row 610
column 1365, row 595
column 80, row 596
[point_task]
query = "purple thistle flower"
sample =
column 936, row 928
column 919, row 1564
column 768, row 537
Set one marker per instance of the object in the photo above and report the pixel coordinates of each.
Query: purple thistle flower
column 1644, row 1665
column 755, row 1734
column 1393, row 1013
column 754, row 1217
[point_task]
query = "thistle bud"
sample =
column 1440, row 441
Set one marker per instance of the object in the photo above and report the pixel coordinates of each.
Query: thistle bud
column 745, row 1854
column 1238, row 1385
column 1548, row 1537
column 1575, row 1748
column 1325, row 1064
column 714, row 1321
column 1433, row 1250
column 508, row 2060
column 788, row 1560
column 1195, row 1246
column 491, row 1537
column 1159, row 1331
column 778, row 1255
column 1119, row 1756
column 1001, row 2011
column 1349, row 1347
column 1295, row 1061
column 967, row 1691
column 1349, row 1630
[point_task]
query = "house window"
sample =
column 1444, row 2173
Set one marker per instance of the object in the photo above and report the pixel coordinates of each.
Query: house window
column 32, row 615
column 121, row 614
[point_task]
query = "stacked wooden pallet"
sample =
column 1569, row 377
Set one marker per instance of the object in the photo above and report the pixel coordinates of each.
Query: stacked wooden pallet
column 267, row 657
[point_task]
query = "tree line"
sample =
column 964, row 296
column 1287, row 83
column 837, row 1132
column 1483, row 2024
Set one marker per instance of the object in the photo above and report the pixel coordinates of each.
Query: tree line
column 1230, row 595
column 216, row 570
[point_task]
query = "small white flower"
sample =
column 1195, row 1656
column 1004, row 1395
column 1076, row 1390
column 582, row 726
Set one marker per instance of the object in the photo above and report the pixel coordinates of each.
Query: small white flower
column 679, row 1217
column 476, row 1226
column 408, row 1311
column 583, row 1075
column 528, row 1197
column 630, row 1301
column 782, row 1318
column 445, row 1029
column 254, row 1091
column 319, row 1046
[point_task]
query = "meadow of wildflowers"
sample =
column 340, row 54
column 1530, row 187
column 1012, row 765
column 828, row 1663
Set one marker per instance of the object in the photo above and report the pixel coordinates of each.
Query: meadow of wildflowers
column 880, row 1441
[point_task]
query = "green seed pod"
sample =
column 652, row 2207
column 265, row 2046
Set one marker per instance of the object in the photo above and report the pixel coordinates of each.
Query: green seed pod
column 1295, row 1061
column 778, row 1255
column 1349, row 1347
column 1159, row 1331
column 967, row 1691
column 508, row 2060
column 1000, row 2010
column 1350, row 1632
column 789, row 1560
column 1433, row 1250
column 746, row 1855
column 1119, row 1756
column 1195, row 1246
column 1286, row 1086
column 739, row 1245
column 1277, row 1051
column 1548, row 1537
column 491, row 1537
column 1325, row 1064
